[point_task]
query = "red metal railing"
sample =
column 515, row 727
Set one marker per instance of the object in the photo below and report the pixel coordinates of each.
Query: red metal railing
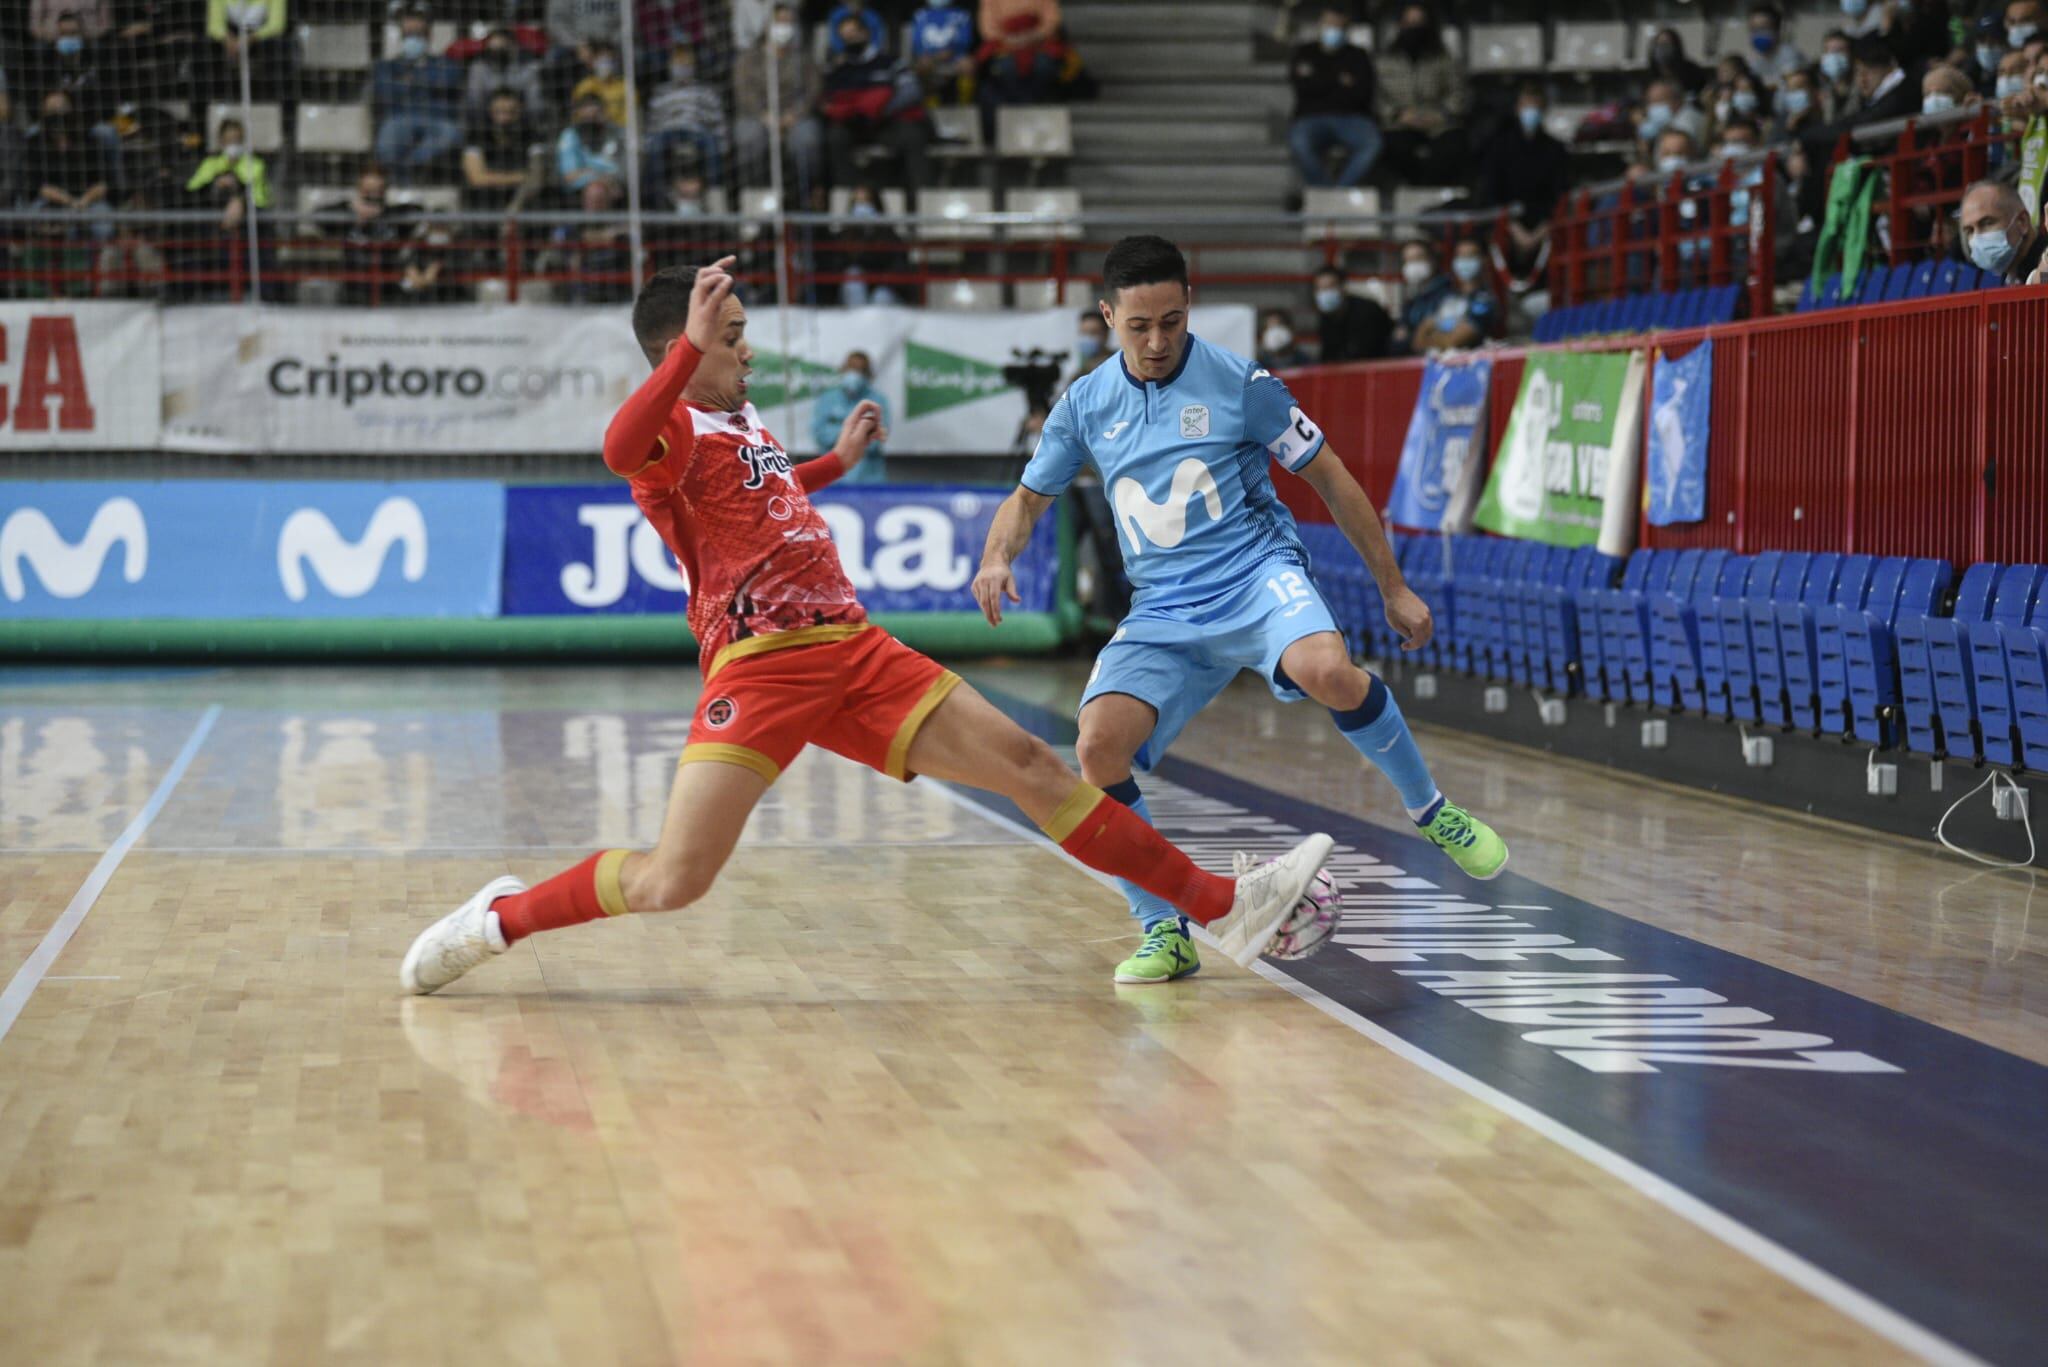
column 1915, row 428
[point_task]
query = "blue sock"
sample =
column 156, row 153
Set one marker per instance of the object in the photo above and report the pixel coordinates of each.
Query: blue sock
column 1146, row 909
column 1377, row 730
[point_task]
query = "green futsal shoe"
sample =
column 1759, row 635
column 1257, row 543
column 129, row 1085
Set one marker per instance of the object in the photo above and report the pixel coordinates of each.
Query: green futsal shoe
column 1167, row 954
column 1469, row 842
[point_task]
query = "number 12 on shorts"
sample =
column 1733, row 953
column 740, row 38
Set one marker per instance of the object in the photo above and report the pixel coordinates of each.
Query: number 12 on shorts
column 1292, row 591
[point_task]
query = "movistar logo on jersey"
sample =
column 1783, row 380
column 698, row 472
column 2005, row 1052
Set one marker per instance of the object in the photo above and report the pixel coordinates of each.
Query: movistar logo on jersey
column 67, row 570
column 1165, row 524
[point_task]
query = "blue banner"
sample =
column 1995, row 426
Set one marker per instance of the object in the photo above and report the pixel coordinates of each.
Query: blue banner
column 906, row 547
column 230, row 548
column 1680, row 399
column 1447, row 435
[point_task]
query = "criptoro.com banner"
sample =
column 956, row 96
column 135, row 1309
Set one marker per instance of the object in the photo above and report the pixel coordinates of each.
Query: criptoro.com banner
column 546, row 380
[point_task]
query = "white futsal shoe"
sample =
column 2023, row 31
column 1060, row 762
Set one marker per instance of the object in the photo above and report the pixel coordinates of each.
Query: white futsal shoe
column 459, row 941
column 1265, row 899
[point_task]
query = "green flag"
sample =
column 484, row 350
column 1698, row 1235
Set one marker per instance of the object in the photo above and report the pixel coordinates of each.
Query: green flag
column 1565, row 471
column 807, row 379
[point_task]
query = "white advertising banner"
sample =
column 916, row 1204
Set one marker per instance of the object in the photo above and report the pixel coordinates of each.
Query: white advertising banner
column 78, row 375
column 528, row 379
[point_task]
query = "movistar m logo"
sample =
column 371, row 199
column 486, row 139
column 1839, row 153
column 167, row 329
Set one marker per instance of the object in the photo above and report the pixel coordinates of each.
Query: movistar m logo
column 1164, row 524
column 348, row 569
column 69, row 571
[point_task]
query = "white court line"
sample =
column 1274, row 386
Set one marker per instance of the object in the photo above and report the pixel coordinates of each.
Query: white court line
column 1872, row 1314
column 18, row 991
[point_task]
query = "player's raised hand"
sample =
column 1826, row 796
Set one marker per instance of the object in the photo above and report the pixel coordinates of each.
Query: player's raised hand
column 991, row 586
column 1409, row 616
column 707, row 298
column 862, row 428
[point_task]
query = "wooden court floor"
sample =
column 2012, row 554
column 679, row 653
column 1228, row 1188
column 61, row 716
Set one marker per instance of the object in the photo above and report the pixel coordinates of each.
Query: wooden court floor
column 874, row 1100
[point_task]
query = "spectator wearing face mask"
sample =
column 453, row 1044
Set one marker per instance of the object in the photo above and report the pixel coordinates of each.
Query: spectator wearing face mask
column 1279, row 348
column 66, row 170
column 1744, row 99
column 1334, row 90
column 1348, row 327
column 500, row 65
column 1839, row 98
column 418, row 99
column 1523, row 164
column 503, row 161
column 794, row 120
column 232, row 179
column 866, row 102
column 830, row 410
column 590, row 158
column 1999, row 235
column 1987, row 50
column 1944, row 89
column 1091, row 343
column 1797, row 105
column 1664, row 110
column 1467, row 313
column 1669, row 62
column 72, row 63
column 685, row 111
column 1424, row 100
column 606, row 80
column 1423, row 286
column 1770, row 57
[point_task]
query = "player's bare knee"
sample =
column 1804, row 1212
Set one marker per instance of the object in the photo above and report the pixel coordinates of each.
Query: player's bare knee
column 1331, row 680
column 1104, row 759
column 668, row 885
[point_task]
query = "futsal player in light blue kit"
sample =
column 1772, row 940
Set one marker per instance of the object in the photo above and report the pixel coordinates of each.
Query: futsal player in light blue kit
column 1181, row 432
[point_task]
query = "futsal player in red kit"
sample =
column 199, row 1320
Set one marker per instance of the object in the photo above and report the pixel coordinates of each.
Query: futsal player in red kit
column 790, row 659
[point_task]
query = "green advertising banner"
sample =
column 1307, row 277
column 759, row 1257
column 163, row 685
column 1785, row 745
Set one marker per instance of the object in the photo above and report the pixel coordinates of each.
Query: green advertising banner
column 1566, row 469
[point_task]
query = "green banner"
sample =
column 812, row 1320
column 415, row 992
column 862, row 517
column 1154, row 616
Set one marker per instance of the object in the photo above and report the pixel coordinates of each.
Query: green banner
column 2033, row 163
column 935, row 380
column 1565, row 471
column 808, row 380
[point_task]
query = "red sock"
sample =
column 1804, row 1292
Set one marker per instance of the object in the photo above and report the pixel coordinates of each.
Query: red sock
column 587, row 892
column 1104, row 834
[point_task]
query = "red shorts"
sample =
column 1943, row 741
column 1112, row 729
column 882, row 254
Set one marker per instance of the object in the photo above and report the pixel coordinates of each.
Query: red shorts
column 855, row 690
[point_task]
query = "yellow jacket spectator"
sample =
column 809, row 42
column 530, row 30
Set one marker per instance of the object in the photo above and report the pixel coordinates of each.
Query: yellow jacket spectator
column 249, row 18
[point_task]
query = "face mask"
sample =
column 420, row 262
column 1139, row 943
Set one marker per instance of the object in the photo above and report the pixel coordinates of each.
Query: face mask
column 1834, row 65
column 2009, row 86
column 1416, row 273
column 866, row 211
column 412, row 47
column 1531, row 117
column 2041, row 81
column 231, row 150
column 1744, row 101
column 1987, row 58
column 1722, row 110
column 782, row 33
column 1329, row 301
column 1668, row 165
column 70, row 46
column 852, row 381
column 1333, row 38
column 605, row 68
column 2016, row 35
column 1655, row 117
column 1728, row 151
column 1087, row 346
column 1764, row 43
column 1796, row 101
column 1937, row 103
column 1992, row 251
column 1466, row 268
column 1277, row 337
column 1855, row 8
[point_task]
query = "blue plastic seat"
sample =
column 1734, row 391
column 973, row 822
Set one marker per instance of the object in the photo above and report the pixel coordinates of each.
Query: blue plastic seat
column 1589, row 605
column 1763, row 678
column 1813, row 584
column 1919, row 703
column 1833, row 626
column 1719, row 617
column 1638, row 631
column 1734, row 617
column 2026, row 667
column 1625, row 625
column 1799, row 635
column 1585, row 569
column 1902, row 280
column 1991, row 701
column 1870, row 289
column 1675, row 636
column 1946, row 274
column 1949, row 658
column 1920, row 283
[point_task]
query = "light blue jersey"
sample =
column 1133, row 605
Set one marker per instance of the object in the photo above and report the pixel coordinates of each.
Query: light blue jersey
column 1184, row 463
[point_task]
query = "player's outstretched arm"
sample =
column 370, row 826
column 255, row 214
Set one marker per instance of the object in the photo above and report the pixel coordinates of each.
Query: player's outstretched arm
column 630, row 443
column 1008, row 535
column 1360, row 523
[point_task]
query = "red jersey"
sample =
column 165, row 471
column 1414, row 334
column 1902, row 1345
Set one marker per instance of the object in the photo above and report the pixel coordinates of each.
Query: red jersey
column 756, row 557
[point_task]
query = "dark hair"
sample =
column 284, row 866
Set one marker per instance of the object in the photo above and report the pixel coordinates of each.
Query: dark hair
column 1770, row 12
column 1092, row 315
column 1743, row 121
column 662, row 308
column 1142, row 260
column 1872, row 51
column 1328, row 268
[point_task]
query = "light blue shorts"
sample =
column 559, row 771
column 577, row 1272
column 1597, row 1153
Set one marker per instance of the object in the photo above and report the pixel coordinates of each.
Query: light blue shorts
column 1178, row 659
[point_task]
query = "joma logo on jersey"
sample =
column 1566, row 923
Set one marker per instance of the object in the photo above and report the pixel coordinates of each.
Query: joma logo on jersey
column 1164, row 524
column 763, row 461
